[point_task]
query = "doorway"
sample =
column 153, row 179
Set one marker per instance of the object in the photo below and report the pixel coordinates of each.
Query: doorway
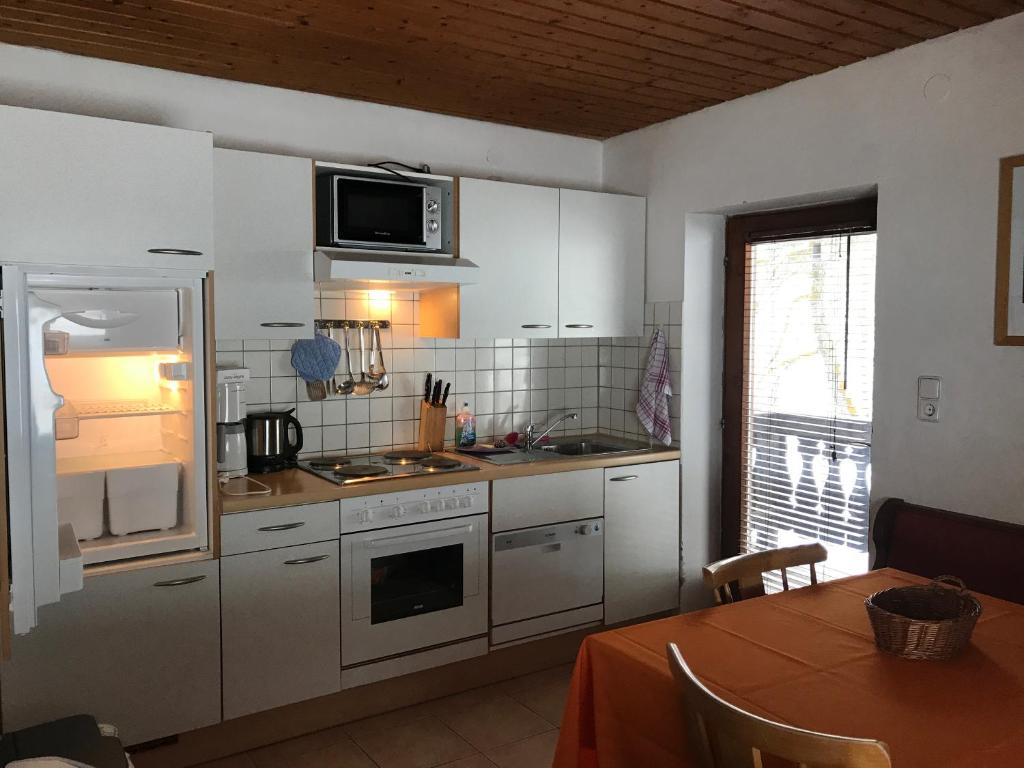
column 798, row 380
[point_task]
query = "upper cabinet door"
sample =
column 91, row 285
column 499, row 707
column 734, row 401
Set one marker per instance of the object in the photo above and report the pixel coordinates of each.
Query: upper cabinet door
column 511, row 232
column 263, row 223
column 90, row 191
column 601, row 251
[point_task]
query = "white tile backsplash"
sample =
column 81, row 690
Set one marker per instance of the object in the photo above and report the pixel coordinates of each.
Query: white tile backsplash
column 507, row 382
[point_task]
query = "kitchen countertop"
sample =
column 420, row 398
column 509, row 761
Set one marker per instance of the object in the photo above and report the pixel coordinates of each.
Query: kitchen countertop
column 296, row 486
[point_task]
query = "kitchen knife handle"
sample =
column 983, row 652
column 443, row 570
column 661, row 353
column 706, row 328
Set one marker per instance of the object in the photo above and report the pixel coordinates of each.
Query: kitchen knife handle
column 444, row 397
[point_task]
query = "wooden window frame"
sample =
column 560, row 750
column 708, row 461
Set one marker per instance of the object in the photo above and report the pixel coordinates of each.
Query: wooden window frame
column 740, row 233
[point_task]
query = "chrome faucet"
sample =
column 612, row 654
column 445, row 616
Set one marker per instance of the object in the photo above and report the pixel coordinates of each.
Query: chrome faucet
column 531, row 441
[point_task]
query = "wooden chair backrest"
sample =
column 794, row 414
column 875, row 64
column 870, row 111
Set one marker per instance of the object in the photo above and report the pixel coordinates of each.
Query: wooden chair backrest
column 724, row 736
column 742, row 577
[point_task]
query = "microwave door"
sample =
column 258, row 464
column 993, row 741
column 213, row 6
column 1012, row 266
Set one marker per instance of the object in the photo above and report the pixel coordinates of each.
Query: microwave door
column 383, row 214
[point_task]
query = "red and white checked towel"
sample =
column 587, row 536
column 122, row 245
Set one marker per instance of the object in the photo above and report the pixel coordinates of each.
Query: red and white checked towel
column 655, row 390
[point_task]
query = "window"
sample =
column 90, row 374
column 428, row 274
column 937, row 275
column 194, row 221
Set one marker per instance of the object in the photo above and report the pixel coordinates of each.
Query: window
column 800, row 361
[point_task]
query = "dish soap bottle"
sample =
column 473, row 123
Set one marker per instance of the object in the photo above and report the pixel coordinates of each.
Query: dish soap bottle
column 465, row 428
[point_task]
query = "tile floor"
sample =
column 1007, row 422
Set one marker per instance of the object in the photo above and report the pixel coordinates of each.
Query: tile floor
column 512, row 724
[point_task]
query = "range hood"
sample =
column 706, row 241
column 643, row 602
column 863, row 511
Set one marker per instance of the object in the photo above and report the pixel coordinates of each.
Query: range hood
column 390, row 270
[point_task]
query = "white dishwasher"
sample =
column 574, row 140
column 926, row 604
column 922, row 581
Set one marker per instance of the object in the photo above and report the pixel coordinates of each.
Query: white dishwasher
column 546, row 579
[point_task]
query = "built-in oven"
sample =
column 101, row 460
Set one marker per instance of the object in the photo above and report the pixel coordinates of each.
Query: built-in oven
column 396, row 213
column 417, row 571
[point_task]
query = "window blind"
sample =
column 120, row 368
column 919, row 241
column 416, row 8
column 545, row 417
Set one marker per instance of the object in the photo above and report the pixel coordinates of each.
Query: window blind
column 807, row 397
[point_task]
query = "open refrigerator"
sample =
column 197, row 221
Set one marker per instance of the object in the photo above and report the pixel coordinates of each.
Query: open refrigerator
column 105, row 423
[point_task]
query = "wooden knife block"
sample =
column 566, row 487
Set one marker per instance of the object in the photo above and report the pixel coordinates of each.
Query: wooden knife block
column 432, row 422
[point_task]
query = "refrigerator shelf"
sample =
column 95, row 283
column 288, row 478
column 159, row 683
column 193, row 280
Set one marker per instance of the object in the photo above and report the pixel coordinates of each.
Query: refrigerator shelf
column 101, row 462
column 106, row 409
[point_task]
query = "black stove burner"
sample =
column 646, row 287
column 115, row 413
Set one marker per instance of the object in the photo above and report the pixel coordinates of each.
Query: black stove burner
column 360, row 470
column 439, row 462
column 406, row 457
column 329, row 462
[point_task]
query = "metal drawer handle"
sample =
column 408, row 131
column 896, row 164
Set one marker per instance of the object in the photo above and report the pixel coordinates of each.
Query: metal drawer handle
column 579, row 325
column 305, row 560
column 175, row 251
column 623, row 478
column 536, row 325
column 281, row 527
column 283, row 324
column 179, row 582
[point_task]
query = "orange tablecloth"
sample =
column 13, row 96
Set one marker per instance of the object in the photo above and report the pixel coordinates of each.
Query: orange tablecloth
column 806, row 657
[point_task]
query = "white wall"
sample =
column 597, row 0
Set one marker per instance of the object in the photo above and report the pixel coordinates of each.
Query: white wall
column 927, row 125
column 255, row 117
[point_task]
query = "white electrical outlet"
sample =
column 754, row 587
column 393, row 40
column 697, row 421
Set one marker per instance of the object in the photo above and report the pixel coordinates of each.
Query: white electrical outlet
column 929, row 390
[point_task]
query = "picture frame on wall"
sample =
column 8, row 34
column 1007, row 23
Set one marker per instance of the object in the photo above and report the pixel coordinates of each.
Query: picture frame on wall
column 1009, row 320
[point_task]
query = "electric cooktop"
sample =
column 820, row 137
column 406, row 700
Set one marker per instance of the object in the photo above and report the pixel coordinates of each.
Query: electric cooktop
column 351, row 469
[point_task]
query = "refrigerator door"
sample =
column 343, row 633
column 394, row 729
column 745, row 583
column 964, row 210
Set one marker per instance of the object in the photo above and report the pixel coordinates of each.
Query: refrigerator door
column 45, row 562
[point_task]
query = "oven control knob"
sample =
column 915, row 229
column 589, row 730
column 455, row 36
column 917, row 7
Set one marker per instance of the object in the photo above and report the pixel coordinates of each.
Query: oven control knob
column 436, row 506
column 465, row 502
column 366, row 516
column 451, row 503
column 398, row 512
column 431, row 206
column 432, row 225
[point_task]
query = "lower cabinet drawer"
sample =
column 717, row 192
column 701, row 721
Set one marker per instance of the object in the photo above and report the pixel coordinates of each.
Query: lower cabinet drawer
column 279, row 527
column 280, row 627
column 523, row 502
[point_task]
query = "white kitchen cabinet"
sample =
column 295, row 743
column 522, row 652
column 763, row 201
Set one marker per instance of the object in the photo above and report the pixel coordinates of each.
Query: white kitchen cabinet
column 263, row 234
column 511, row 232
column 281, row 627
column 139, row 649
column 601, row 256
column 279, row 527
column 90, row 191
column 641, row 540
column 523, row 502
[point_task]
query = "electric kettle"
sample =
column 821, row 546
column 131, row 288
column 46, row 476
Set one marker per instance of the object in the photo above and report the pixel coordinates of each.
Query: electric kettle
column 267, row 438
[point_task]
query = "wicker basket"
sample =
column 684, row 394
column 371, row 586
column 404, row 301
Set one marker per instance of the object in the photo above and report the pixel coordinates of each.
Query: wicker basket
column 928, row 622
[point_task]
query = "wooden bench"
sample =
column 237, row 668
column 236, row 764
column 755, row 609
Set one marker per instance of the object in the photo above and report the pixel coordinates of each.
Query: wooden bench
column 987, row 554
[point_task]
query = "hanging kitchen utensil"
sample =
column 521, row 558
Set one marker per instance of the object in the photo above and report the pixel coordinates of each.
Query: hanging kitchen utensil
column 383, row 382
column 371, row 369
column 363, row 386
column 349, row 384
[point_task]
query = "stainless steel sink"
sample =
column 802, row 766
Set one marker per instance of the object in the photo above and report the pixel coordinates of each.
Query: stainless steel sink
column 565, row 447
column 517, row 456
column 584, row 448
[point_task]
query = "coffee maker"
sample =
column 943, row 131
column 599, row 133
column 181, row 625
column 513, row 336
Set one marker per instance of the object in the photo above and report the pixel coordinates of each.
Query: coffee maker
column 231, row 413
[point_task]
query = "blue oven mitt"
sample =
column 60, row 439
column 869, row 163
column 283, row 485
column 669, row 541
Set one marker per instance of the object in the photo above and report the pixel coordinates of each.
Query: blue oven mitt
column 316, row 359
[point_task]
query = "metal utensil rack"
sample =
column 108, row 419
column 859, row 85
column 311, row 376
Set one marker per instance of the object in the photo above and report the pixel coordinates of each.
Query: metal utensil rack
column 326, row 325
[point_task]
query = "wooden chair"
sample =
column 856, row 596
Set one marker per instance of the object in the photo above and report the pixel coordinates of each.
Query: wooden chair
column 742, row 577
column 724, row 736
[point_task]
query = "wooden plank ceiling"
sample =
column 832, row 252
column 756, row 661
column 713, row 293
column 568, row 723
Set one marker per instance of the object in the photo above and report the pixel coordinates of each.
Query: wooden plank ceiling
column 589, row 68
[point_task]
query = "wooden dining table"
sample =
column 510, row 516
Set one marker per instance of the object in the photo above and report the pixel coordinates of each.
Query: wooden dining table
column 806, row 657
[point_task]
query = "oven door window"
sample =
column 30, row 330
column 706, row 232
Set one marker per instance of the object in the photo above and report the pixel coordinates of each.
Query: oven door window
column 414, row 583
column 377, row 212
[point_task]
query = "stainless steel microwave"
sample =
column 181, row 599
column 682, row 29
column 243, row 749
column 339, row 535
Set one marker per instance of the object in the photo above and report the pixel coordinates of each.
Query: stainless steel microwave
column 361, row 212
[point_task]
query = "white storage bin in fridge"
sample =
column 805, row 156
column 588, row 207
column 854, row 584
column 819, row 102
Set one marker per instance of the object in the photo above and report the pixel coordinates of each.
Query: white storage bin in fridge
column 80, row 503
column 143, row 498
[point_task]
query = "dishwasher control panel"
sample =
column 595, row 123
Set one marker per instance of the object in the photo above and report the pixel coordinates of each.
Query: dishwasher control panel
column 386, row 510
